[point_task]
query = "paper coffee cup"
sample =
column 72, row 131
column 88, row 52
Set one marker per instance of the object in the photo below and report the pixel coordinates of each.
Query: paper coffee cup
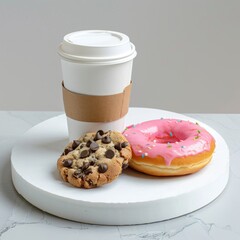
column 96, row 63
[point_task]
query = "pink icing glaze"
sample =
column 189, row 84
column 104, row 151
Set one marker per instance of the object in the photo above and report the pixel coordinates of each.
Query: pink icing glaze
column 169, row 138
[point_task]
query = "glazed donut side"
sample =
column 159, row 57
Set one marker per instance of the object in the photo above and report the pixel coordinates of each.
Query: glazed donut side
column 179, row 166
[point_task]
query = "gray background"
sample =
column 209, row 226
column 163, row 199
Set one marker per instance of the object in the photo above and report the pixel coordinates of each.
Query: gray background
column 188, row 51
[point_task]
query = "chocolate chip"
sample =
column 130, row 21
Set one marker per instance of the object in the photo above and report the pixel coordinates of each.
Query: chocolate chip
column 102, row 167
column 67, row 150
column 88, row 143
column 101, row 132
column 75, row 144
column 88, row 171
column 98, row 135
column 78, row 174
column 90, row 182
column 67, row 162
column 85, row 166
column 109, row 154
column 124, row 165
column 84, row 154
column 118, row 146
column 124, row 144
column 94, row 146
column 106, row 139
column 81, row 146
column 92, row 161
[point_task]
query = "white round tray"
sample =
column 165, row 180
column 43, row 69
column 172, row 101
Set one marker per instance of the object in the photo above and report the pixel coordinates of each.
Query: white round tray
column 134, row 198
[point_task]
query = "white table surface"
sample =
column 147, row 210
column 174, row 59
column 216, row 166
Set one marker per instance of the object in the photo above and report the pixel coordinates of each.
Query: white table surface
column 21, row 220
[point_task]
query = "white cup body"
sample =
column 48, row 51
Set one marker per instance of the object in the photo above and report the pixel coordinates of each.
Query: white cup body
column 78, row 128
column 94, row 79
column 99, row 68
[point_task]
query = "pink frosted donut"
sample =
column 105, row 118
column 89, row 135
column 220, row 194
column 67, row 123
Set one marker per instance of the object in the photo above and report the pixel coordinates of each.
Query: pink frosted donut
column 169, row 147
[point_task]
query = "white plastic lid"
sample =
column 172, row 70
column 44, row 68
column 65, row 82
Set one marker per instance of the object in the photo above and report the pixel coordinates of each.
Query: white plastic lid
column 97, row 46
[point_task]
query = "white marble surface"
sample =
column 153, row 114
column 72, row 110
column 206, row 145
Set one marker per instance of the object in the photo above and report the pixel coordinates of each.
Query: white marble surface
column 21, row 220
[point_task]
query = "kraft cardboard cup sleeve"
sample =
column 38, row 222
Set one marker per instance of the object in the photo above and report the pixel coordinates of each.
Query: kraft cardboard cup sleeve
column 96, row 69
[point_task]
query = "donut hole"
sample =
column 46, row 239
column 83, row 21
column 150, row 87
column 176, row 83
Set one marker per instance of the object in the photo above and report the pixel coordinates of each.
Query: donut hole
column 165, row 138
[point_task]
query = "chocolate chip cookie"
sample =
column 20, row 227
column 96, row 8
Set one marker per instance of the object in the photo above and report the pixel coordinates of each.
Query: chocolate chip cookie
column 94, row 159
